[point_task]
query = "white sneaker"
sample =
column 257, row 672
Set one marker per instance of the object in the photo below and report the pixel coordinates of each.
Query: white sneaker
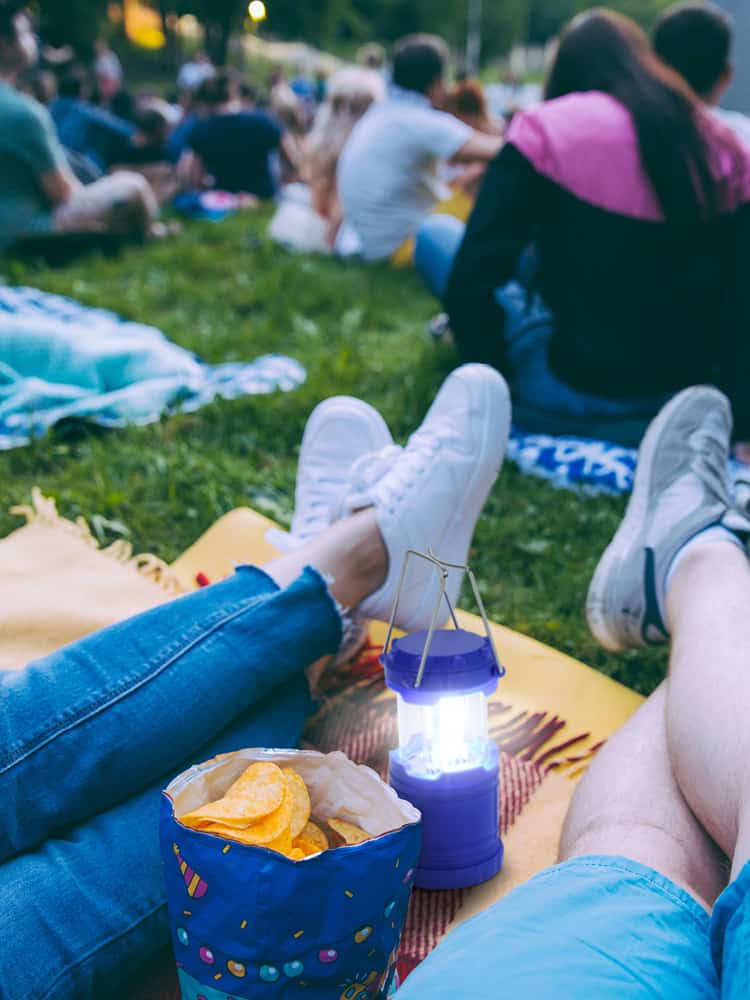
column 338, row 432
column 435, row 489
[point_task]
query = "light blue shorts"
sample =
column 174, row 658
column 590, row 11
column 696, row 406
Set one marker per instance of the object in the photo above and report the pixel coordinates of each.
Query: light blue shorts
column 595, row 928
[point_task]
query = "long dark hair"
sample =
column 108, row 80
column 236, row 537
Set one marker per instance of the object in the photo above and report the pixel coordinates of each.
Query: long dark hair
column 605, row 51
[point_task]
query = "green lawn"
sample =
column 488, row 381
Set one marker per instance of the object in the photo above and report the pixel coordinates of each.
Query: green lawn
column 227, row 294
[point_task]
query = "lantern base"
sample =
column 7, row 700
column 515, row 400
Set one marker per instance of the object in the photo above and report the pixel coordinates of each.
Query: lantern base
column 460, row 819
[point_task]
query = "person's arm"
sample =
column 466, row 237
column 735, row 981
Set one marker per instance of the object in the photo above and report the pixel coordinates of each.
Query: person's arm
column 502, row 225
column 38, row 144
column 191, row 173
column 480, row 146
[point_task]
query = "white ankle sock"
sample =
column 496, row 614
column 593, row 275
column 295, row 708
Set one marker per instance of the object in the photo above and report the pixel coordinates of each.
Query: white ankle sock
column 715, row 533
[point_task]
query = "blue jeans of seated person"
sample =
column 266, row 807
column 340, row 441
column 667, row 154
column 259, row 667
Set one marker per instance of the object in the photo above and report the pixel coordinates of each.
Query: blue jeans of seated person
column 92, row 733
column 527, row 331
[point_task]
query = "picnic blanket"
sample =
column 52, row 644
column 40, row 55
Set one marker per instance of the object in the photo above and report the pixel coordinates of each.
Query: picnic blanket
column 549, row 715
column 585, row 465
column 61, row 359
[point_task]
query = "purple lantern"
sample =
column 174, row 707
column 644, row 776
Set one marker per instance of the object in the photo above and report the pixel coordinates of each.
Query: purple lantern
column 446, row 765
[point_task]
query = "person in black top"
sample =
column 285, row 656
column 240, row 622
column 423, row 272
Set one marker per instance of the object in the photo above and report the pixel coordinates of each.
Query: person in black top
column 231, row 150
column 637, row 205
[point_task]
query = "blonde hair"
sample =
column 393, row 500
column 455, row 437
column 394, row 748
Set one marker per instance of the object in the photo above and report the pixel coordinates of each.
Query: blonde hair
column 351, row 91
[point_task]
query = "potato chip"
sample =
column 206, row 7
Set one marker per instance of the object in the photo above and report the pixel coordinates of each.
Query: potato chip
column 296, row 854
column 332, row 836
column 307, row 846
column 300, row 801
column 282, row 844
column 264, row 831
column 352, row 834
column 313, row 833
column 257, row 793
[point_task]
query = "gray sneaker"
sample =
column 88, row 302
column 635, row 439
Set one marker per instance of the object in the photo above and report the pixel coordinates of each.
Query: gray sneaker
column 681, row 487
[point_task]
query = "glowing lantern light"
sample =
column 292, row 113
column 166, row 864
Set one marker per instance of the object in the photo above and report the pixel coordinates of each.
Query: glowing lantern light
column 446, row 764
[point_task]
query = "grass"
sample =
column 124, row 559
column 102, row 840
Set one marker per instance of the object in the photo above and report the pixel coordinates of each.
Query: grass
column 226, row 293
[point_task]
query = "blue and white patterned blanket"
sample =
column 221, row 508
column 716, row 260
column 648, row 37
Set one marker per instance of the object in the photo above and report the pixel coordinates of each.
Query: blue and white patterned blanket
column 60, row 359
column 587, row 466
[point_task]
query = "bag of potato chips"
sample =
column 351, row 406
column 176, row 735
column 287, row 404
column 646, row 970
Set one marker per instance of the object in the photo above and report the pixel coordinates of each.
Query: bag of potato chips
column 288, row 874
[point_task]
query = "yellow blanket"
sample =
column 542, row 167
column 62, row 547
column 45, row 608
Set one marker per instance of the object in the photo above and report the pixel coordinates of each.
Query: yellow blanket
column 549, row 714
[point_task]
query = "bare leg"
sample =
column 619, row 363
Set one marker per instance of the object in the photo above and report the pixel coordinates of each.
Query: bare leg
column 351, row 554
column 629, row 803
column 708, row 704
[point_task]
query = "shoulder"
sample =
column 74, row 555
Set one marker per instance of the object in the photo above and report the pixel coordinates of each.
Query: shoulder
column 730, row 158
column 427, row 118
column 563, row 127
column 262, row 120
column 19, row 110
column 586, row 144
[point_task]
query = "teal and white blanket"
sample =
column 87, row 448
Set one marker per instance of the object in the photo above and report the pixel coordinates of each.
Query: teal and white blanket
column 60, row 359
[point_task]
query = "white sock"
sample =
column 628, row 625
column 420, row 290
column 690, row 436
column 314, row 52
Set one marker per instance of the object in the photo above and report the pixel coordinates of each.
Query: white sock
column 714, row 533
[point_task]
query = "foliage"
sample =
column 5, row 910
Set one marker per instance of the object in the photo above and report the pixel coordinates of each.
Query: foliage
column 227, row 294
column 76, row 22
column 331, row 23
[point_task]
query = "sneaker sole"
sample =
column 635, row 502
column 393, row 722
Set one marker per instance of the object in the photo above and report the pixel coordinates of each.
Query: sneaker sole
column 628, row 532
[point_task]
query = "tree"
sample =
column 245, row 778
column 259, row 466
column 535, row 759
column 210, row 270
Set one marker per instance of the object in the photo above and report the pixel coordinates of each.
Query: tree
column 72, row 22
column 220, row 18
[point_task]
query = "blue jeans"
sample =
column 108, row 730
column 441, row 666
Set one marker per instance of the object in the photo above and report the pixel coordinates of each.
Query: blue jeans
column 528, row 329
column 92, row 733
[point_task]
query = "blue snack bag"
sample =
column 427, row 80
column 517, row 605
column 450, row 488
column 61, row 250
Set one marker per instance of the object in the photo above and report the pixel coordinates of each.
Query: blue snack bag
column 249, row 922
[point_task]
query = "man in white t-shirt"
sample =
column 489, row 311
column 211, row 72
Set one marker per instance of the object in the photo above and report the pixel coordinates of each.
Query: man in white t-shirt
column 193, row 73
column 388, row 172
column 695, row 38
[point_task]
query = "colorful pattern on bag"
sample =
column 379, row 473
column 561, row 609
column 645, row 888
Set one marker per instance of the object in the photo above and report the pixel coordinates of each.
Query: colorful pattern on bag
column 248, row 922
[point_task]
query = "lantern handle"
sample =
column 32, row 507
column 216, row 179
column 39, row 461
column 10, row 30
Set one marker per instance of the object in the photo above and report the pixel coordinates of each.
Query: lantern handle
column 441, row 567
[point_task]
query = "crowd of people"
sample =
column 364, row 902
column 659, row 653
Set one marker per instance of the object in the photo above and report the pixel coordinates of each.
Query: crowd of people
column 590, row 253
column 585, row 246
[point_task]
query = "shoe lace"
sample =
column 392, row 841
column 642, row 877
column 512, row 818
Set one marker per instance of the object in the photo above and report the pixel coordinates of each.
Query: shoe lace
column 369, row 469
column 318, row 501
column 412, row 464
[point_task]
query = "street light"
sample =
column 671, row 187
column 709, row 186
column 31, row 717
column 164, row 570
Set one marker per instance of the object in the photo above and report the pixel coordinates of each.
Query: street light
column 257, row 11
column 474, row 38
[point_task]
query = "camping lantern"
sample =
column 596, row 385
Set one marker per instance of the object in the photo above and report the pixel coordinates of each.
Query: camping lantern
column 445, row 763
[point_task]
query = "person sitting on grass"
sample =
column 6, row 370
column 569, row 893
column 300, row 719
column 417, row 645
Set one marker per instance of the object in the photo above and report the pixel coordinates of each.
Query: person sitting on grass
column 467, row 101
column 350, row 92
column 38, row 191
column 387, row 174
column 92, row 733
column 696, row 40
column 651, row 897
column 227, row 149
column 637, row 204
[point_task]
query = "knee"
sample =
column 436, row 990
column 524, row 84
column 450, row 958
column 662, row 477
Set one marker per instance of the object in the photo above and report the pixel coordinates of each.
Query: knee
column 439, row 232
column 437, row 240
column 691, row 862
column 135, row 207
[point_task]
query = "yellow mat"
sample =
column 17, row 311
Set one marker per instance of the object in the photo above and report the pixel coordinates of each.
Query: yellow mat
column 548, row 716
column 537, row 676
